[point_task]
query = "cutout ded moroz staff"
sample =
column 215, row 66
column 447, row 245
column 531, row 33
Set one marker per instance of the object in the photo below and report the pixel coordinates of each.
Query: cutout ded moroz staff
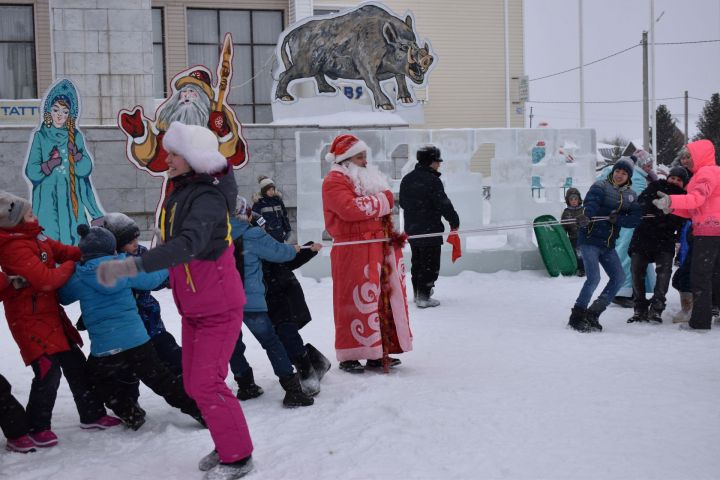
column 225, row 71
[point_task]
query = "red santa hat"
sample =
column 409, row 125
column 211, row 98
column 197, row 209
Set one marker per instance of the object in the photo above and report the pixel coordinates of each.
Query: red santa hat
column 197, row 145
column 345, row 146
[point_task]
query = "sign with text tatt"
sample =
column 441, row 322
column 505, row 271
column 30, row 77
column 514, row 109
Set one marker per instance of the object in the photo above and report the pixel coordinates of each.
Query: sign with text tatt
column 19, row 112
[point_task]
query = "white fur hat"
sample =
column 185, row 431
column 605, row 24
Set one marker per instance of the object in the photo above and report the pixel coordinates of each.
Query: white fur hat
column 197, row 145
column 345, row 146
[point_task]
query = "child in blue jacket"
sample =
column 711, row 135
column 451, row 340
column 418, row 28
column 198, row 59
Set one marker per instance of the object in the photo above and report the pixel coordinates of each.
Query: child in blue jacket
column 126, row 233
column 252, row 245
column 118, row 340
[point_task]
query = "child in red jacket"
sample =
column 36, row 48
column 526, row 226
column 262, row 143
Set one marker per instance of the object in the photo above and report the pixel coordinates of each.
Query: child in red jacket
column 13, row 422
column 47, row 340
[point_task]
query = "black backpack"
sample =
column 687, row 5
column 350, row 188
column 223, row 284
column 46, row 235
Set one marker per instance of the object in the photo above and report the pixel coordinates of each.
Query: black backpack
column 239, row 260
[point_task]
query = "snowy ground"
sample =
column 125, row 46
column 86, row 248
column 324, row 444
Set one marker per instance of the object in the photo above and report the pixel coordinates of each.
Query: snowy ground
column 496, row 387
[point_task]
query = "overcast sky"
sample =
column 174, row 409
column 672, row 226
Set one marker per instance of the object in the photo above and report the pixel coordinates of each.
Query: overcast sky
column 551, row 45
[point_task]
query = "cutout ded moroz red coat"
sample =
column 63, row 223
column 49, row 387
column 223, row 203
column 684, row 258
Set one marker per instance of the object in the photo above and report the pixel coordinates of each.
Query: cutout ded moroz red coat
column 357, row 269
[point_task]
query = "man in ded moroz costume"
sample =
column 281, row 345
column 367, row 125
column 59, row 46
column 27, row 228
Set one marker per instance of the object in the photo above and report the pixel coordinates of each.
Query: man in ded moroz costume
column 369, row 298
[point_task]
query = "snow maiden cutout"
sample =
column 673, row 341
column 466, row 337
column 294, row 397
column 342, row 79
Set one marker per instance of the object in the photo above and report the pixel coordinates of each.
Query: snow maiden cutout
column 195, row 100
column 58, row 167
column 368, row 44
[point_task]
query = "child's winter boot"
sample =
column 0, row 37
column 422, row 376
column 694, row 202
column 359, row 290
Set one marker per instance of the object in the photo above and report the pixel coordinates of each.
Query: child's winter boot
column 102, row 423
column 294, row 395
column 686, row 305
column 247, row 389
column 44, row 439
column 23, row 444
column 230, row 471
column 308, row 376
column 592, row 316
column 577, row 319
column 319, row 361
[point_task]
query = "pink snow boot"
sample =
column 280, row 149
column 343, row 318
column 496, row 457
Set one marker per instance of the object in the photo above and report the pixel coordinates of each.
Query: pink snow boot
column 102, row 423
column 44, row 439
column 22, row 444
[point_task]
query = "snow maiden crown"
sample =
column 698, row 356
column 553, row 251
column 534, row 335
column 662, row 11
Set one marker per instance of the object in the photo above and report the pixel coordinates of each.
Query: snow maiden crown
column 345, row 146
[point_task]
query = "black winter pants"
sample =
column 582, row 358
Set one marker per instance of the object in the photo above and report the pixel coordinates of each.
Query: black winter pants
column 48, row 369
column 169, row 353
column 663, row 269
column 705, row 280
column 425, row 269
column 13, row 422
column 144, row 363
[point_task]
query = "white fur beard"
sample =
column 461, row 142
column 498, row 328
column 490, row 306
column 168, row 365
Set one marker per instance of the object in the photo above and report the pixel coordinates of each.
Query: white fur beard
column 368, row 180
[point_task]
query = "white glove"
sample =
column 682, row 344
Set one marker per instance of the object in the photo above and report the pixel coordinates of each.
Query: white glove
column 662, row 202
column 109, row 272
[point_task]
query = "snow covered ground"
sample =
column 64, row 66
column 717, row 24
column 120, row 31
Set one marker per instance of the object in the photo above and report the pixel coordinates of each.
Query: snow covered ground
column 496, row 387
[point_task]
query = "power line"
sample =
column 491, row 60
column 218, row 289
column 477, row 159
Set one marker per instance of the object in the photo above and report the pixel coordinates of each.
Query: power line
column 687, row 43
column 618, row 53
column 610, row 101
column 586, row 64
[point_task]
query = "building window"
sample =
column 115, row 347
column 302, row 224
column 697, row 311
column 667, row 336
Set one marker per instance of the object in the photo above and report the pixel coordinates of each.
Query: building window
column 254, row 33
column 17, row 52
column 158, row 30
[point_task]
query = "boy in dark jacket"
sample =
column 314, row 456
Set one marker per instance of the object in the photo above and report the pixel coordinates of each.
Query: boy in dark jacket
column 424, row 204
column 126, row 233
column 270, row 205
column 574, row 209
column 252, row 246
column 289, row 313
column 118, row 340
column 47, row 340
column 654, row 242
column 613, row 200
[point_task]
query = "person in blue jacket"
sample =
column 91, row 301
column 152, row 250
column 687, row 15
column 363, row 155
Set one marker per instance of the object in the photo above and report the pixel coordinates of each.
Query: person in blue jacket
column 641, row 176
column 118, row 340
column 613, row 199
column 126, row 233
column 252, row 246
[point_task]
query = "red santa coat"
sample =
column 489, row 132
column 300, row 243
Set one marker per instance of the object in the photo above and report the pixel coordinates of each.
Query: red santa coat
column 36, row 320
column 357, row 270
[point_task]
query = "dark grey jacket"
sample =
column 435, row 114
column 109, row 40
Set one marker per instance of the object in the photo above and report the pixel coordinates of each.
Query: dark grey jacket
column 424, row 203
column 195, row 221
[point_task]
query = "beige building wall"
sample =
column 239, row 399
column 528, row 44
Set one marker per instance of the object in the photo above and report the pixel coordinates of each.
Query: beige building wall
column 467, row 86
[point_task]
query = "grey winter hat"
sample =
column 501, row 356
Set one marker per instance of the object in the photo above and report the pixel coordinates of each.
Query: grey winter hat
column 122, row 227
column 95, row 242
column 12, row 209
column 681, row 173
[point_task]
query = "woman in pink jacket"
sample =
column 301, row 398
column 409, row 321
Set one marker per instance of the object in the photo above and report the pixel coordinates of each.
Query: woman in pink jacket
column 701, row 204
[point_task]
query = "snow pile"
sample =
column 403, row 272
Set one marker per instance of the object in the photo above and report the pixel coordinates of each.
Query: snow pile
column 496, row 387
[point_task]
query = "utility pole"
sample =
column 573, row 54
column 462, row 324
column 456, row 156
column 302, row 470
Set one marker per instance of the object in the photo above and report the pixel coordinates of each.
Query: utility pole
column 531, row 113
column 646, row 100
column 580, row 48
column 653, row 109
column 686, row 117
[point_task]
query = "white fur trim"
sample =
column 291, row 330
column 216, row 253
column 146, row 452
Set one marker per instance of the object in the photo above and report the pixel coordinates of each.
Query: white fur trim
column 266, row 182
column 358, row 147
column 197, row 145
column 384, row 204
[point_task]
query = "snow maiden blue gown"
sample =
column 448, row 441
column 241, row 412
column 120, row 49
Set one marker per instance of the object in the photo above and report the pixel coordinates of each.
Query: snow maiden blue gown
column 62, row 197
